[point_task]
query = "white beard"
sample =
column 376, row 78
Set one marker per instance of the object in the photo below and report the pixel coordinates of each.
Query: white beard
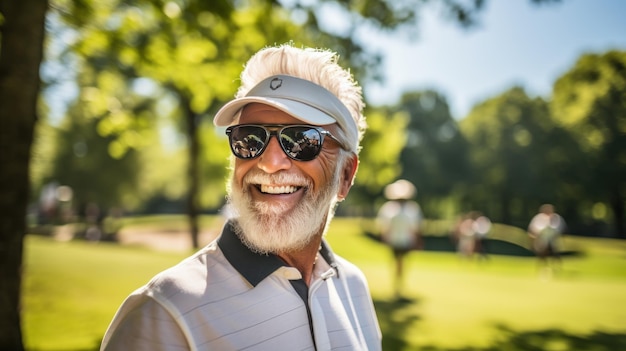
column 272, row 227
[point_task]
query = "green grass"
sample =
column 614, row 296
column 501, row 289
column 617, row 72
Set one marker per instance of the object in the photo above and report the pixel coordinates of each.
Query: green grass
column 460, row 304
column 72, row 289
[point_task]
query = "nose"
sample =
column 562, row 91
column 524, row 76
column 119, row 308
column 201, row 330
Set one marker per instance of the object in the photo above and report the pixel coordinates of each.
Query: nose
column 273, row 158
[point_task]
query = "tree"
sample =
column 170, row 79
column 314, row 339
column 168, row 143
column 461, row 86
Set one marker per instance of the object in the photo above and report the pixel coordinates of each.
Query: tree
column 378, row 167
column 182, row 46
column 588, row 101
column 179, row 49
column 435, row 157
column 515, row 159
column 21, row 52
column 84, row 159
column 194, row 51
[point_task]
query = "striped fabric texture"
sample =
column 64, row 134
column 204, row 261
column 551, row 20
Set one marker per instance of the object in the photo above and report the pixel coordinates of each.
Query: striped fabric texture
column 226, row 297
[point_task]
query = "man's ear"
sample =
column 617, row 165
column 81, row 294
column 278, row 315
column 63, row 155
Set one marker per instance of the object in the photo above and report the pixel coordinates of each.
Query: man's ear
column 347, row 176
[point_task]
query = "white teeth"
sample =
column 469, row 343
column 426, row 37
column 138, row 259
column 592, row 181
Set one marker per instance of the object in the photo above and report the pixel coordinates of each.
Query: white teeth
column 285, row 189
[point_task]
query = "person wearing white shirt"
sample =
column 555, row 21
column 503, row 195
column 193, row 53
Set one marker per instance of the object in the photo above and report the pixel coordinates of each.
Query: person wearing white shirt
column 545, row 230
column 400, row 222
column 270, row 281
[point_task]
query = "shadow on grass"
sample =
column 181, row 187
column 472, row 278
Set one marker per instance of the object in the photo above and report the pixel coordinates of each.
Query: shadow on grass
column 397, row 321
column 396, row 318
column 492, row 246
column 95, row 347
column 395, row 324
column 546, row 340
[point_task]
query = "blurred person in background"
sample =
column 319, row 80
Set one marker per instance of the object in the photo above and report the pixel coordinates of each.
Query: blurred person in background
column 400, row 220
column 482, row 227
column 470, row 235
column 545, row 230
column 270, row 281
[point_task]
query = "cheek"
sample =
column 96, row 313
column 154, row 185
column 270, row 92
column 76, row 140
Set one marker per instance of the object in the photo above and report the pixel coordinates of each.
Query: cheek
column 322, row 170
column 241, row 168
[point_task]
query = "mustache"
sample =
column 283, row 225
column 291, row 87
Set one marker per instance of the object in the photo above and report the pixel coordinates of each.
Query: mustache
column 259, row 177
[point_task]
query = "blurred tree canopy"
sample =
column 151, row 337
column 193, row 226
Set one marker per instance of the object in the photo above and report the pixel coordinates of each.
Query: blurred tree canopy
column 149, row 69
column 85, row 161
column 381, row 145
column 190, row 54
column 589, row 101
column 509, row 137
column 514, row 152
column 435, row 156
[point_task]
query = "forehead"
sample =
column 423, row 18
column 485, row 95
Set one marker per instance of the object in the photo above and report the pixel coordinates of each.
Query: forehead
column 264, row 114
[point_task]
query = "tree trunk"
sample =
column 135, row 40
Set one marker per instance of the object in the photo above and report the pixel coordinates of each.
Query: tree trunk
column 21, row 51
column 192, row 171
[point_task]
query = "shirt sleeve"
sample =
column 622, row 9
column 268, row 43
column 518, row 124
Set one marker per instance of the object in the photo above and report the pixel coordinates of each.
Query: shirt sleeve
column 142, row 324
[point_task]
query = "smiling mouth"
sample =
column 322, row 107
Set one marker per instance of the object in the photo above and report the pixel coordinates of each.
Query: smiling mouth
column 277, row 190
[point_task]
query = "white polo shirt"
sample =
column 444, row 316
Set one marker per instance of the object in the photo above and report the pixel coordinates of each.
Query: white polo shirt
column 226, row 297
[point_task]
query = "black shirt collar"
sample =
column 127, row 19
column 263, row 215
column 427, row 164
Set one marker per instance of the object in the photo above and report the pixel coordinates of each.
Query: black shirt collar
column 253, row 266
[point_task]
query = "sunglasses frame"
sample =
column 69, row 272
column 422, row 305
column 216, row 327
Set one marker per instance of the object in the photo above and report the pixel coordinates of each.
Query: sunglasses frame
column 275, row 130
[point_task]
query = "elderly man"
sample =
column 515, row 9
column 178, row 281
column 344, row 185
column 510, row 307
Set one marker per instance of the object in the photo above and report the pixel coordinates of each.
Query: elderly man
column 270, row 281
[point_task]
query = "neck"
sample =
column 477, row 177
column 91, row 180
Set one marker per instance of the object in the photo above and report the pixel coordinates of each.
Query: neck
column 304, row 259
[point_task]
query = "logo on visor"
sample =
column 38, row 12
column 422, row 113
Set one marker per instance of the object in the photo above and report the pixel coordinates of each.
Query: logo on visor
column 276, row 83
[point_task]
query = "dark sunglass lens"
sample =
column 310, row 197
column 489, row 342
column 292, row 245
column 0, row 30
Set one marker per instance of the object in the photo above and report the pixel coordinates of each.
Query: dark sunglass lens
column 301, row 143
column 247, row 141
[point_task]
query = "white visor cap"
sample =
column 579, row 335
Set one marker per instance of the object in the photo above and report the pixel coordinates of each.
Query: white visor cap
column 300, row 98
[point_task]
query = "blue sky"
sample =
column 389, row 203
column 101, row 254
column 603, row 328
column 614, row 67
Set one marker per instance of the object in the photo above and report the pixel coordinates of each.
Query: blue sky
column 516, row 43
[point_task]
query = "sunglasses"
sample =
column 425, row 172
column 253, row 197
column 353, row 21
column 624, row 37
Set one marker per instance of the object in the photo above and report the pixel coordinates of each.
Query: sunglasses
column 299, row 142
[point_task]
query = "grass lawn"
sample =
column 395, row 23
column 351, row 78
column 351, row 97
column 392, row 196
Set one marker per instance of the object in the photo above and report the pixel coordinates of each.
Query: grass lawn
column 72, row 289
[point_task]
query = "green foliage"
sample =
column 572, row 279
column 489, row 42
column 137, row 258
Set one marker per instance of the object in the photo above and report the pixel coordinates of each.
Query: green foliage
column 381, row 146
column 84, row 159
column 43, row 150
column 434, row 158
column 588, row 101
column 511, row 138
column 191, row 55
column 162, row 170
column 510, row 157
column 214, row 169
